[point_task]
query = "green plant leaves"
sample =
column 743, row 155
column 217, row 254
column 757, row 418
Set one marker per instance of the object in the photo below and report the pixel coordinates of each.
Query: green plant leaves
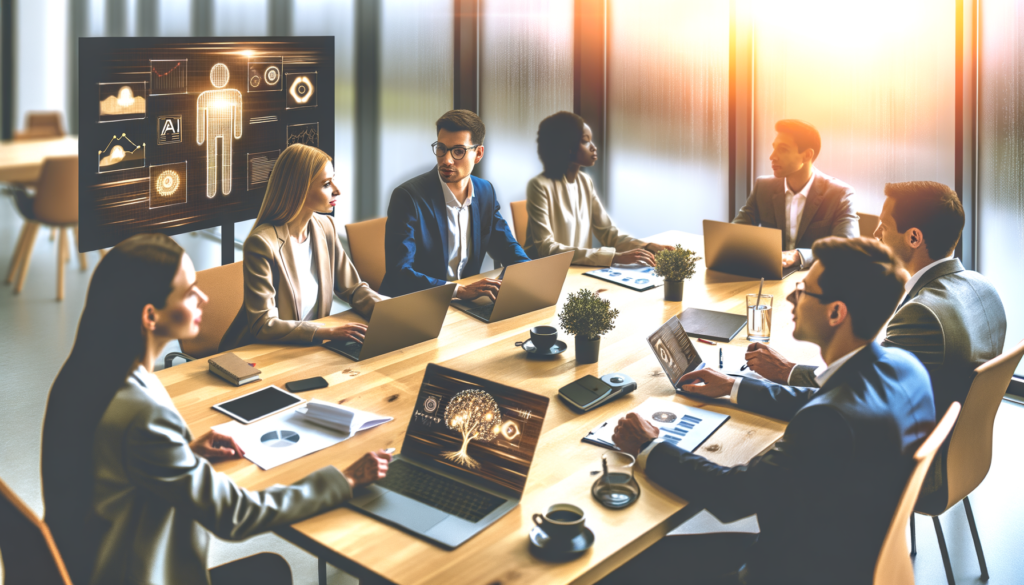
column 585, row 313
column 675, row 265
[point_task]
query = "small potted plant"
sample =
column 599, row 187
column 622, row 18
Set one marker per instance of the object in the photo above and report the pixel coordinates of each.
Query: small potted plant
column 676, row 267
column 588, row 317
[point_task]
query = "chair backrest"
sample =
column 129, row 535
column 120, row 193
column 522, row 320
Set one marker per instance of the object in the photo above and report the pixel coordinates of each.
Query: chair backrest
column 29, row 553
column 225, row 288
column 519, row 219
column 868, row 224
column 970, row 446
column 41, row 125
column 366, row 241
column 893, row 566
column 56, row 200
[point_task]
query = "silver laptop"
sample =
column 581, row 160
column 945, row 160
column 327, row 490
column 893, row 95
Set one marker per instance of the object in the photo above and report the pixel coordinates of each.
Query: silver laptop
column 447, row 489
column 399, row 322
column 746, row 250
column 525, row 287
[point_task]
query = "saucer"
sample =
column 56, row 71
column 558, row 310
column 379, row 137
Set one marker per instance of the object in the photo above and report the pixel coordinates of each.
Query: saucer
column 532, row 351
column 542, row 547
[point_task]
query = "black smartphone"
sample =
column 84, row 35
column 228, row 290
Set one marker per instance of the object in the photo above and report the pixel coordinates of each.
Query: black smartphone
column 307, row 384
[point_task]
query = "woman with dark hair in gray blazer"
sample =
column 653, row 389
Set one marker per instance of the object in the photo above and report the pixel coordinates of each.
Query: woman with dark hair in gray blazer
column 129, row 496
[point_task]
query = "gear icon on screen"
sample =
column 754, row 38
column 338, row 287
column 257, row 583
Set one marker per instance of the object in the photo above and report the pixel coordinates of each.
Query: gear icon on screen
column 301, row 89
column 254, row 81
column 272, row 75
column 430, row 404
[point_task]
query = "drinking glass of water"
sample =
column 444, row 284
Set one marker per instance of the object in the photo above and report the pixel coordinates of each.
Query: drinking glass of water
column 759, row 318
column 616, row 488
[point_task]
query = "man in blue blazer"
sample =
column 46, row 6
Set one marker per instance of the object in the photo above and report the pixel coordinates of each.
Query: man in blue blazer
column 441, row 223
column 825, row 494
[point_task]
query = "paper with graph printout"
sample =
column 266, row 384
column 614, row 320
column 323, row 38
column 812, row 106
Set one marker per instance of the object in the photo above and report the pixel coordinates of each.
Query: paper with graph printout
column 684, row 426
column 635, row 276
column 284, row 437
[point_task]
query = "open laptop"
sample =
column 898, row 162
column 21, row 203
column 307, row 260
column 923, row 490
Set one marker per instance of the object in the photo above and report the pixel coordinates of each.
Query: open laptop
column 525, row 287
column 747, row 250
column 399, row 322
column 447, row 490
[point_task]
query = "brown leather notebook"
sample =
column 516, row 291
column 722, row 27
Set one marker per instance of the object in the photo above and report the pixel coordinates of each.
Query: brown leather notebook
column 233, row 369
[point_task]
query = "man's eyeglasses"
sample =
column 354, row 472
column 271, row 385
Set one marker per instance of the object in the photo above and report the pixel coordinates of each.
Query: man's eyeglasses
column 458, row 152
column 800, row 290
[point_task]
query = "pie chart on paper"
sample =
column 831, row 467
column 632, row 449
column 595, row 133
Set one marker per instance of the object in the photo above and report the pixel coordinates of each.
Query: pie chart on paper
column 280, row 439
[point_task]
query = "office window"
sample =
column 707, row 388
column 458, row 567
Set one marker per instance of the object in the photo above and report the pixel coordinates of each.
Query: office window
column 668, row 108
column 1001, row 156
column 416, row 87
column 240, row 18
column 173, row 18
column 875, row 77
column 40, row 58
column 336, row 18
column 526, row 74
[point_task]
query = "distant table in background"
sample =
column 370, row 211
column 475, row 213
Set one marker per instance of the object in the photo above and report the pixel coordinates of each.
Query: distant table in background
column 21, row 161
column 563, row 467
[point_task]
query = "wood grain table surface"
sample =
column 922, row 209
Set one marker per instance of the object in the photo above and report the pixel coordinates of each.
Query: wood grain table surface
column 563, row 466
column 21, row 161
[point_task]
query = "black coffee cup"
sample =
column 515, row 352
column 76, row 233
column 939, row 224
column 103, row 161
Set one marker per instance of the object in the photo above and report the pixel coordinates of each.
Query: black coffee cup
column 561, row 523
column 543, row 337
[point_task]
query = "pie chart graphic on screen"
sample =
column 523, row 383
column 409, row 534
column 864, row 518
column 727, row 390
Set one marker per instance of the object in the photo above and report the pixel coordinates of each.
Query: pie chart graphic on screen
column 280, row 439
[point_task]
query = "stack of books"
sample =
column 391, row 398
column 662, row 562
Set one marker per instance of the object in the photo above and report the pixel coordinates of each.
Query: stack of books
column 233, row 369
column 341, row 418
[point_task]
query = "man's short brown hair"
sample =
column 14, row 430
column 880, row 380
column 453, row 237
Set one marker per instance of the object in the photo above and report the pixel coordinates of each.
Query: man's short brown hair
column 805, row 135
column 864, row 274
column 462, row 121
column 932, row 208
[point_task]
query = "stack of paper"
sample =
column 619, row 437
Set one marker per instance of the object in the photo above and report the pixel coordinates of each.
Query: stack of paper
column 683, row 426
column 341, row 418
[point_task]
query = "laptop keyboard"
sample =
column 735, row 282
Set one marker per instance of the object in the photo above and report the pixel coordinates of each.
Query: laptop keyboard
column 438, row 491
column 482, row 311
column 348, row 346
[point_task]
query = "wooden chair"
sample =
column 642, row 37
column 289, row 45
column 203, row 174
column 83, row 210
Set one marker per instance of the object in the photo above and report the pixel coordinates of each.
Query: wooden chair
column 41, row 125
column 519, row 219
column 868, row 224
column 224, row 285
column 366, row 241
column 970, row 451
column 55, row 204
column 30, row 555
column 893, row 566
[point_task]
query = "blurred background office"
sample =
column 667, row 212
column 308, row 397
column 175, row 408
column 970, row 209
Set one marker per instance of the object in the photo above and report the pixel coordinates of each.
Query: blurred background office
column 682, row 96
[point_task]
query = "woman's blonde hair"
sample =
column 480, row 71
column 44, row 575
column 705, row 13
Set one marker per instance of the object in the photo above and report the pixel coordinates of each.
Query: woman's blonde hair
column 290, row 180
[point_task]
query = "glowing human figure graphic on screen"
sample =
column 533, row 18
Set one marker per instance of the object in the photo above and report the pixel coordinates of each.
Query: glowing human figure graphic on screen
column 219, row 115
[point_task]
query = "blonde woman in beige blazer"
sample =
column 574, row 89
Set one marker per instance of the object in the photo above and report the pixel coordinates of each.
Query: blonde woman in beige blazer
column 291, row 245
column 130, row 494
column 564, row 211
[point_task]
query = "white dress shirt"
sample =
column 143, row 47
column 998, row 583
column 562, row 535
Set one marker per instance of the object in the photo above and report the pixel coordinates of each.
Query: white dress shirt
column 795, row 209
column 458, row 230
column 309, row 287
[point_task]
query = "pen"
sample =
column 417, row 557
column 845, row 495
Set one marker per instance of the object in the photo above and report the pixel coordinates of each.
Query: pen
column 743, row 367
column 389, row 450
column 721, row 364
column 706, row 341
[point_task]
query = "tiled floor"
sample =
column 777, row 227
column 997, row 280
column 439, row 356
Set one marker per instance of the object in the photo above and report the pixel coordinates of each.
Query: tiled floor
column 36, row 333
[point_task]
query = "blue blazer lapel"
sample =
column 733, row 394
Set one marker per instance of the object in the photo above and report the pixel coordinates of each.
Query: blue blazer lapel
column 441, row 215
column 474, row 224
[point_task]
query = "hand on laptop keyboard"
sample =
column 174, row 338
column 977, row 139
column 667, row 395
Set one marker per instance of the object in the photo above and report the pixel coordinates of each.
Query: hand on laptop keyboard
column 369, row 468
column 349, row 331
column 485, row 287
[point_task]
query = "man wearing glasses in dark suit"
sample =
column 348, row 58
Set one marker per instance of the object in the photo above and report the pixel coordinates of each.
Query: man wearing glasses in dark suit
column 825, row 494
column 442, row 223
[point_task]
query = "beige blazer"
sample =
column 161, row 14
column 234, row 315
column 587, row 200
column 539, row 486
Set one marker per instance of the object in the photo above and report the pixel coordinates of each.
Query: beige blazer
column 554, row 228
column 156, row 502
column 270, row 310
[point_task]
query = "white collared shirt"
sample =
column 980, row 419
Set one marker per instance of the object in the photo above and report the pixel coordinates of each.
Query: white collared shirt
column 309, row 288
column 795, row 208
column 458, row 230
column 917, row 275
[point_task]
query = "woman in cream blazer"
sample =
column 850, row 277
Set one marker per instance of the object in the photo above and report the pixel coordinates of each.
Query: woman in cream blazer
column 130, row 497
column 563, row 207
column 293, row 260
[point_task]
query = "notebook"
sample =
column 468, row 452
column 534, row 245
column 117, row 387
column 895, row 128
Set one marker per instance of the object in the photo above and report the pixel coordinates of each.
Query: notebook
column 233, row 369
column 341, row 418
column 713, row 325
column 686, row 427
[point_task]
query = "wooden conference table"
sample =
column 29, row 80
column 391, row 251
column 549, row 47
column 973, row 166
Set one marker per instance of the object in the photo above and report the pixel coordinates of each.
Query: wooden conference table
column 563, row 467
column 21, row 161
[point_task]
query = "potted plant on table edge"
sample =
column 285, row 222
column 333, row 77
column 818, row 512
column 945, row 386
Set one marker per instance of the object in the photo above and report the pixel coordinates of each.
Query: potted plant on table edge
column 675, row 266
column 587, row 316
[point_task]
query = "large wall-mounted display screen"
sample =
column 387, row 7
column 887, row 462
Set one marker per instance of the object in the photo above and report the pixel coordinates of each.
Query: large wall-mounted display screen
column 180, row 134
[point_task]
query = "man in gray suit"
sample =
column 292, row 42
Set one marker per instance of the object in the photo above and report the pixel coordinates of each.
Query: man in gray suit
column 803, row 202
column 951, row 318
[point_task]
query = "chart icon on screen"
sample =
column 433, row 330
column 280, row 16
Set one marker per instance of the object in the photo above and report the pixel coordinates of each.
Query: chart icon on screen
column 308, row 134
column 122, row 101
column 168, row 76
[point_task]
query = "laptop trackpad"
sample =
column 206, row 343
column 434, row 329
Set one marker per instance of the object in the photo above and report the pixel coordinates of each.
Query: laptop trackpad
column 405, row 511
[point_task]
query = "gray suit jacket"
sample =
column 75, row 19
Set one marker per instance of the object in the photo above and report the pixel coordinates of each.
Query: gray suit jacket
column 828, row 211
column 155, row 501
column 953, row 321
